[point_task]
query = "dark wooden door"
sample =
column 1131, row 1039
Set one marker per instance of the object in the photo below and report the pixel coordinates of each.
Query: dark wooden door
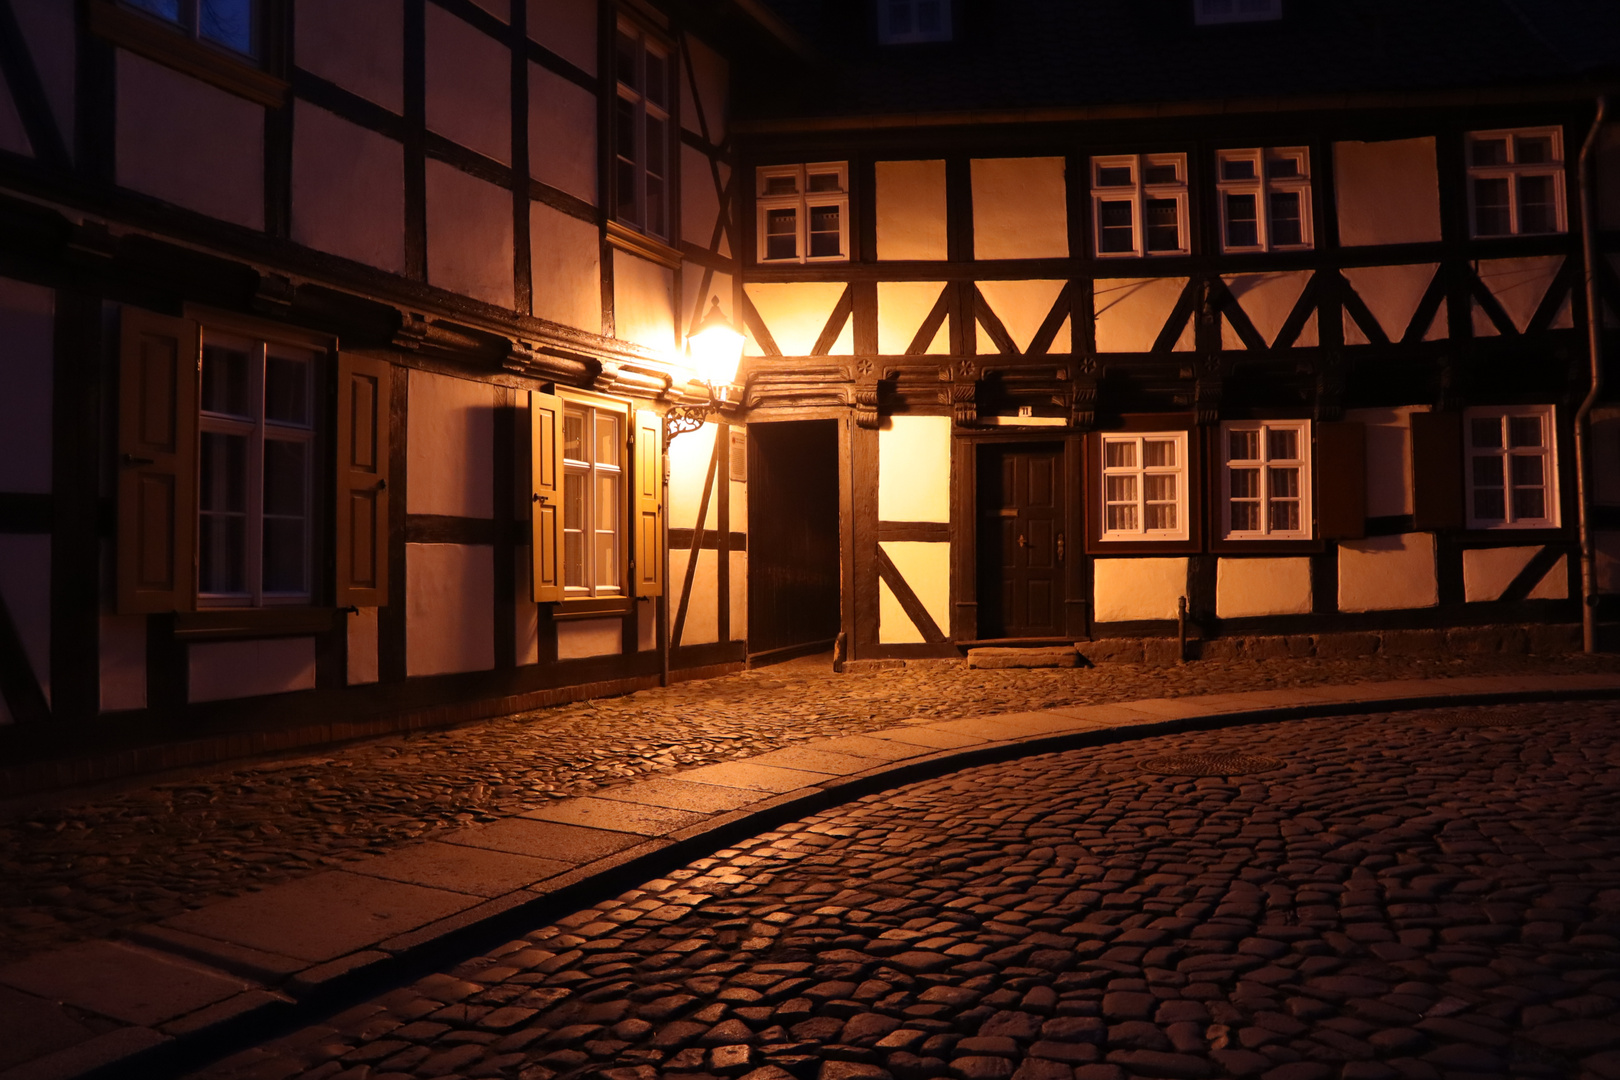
column 1021, row 541
column 793, row 570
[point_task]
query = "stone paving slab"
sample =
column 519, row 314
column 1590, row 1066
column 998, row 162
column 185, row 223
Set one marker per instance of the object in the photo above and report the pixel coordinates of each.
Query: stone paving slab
column 121, row 981
column 745, row 774
column 459, row 868
column 616, row 816
column 543, row 839
column 681, row 795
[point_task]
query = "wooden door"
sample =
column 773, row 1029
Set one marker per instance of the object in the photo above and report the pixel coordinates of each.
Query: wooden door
column 1021, row 542
column 793, row 556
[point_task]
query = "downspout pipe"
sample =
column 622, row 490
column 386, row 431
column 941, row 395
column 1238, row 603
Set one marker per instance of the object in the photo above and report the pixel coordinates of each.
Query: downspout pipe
column 1594, row 347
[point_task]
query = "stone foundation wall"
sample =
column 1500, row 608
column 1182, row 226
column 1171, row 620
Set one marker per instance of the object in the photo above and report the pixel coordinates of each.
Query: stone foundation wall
column 1539, row 640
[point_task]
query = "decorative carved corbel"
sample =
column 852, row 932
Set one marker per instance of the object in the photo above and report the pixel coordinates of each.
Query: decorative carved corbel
column 965, row 393
column 866, row 405
column 1330, row 380
column 275, row 295
column 1083, row 406
column 411, row 333
column 1209, row 382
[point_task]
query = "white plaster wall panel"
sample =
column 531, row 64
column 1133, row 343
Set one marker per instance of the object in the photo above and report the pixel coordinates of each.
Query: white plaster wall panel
column 1387, row 192
column 355, row 44
column 189, row 143
column 1127, row 589
column 449, row 608
column 894, row 625
column 25, row 584
column 702, row 626
column 1268, row 299
column 844, row 344
column 123, row 662
column 348, row 189
column 526, row 616
column 1020, row 208
column 1389, row 457
column 911, row 217
column 926, row 567
column 914, row 469
column 469, row 85
column 362, row 646
column 644, row 303
column 739, row 503
column 1384, row 573
column 450, row 451
column 565, row 256
column 795, row 312
column 1487, row 572
column 1245, row 588
column 49, row 30
column 1607, row 543
column 1519, row 284
column 696, row 300
column 1605, row 444
column 581, row 638
column 1391, row 293
column 646, row 625
column 469, row 235
column 739, row 595
column 700, row 203
column 13, row 136
column 562, row 134
column 219, row 670
column 903, row 306
column 1555, row 585
column 567, row 28
column 1131, row 312
column 27, row 331
column 1564, row 319
column 1022, row 306
column 713, row 77
column 689, row 457
column 1481, row 322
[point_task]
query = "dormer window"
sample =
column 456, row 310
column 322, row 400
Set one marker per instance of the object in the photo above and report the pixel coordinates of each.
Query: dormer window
column 908, row 22
column 1214, row 12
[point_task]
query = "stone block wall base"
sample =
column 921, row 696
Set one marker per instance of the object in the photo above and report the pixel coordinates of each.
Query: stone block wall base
column 1539, row 640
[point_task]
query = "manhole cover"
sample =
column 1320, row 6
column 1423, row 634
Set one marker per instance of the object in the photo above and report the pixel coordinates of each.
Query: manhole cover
column 1218, row 764
column 1472, row 718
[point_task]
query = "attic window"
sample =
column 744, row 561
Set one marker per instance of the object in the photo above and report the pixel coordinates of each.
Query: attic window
column 907, row 22
column 1213, row 12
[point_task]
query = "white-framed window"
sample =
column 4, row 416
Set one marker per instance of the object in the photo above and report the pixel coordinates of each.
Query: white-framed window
column 593, row 452
column 907, row 22
column 1212, row 12
column 1144, row 486
column 1266, row 480
column 1265, row 197
column 256, row 445
column 802, row 212
column 642, row 132
column 1139, row 204
column 228, row 24
column 1516, row 182
column 1512, row 467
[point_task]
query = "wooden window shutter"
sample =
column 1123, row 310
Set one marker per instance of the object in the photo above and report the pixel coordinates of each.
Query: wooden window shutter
column 1437, row 471
column 1341, row 481
column 649, row 504
column 362, row 481
column 157, row 463
column 545, row 470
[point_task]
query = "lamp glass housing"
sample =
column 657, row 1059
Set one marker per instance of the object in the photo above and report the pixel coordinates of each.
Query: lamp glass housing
column 716, row 349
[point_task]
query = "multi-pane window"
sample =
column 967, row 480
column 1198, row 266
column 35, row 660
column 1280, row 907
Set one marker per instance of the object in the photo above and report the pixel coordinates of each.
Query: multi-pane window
column 642, row 131
column 1511, row 475
column 1516, row 182
column 902, row 22
column 1266, row 480
column 1265, row 197
column 1209, row 12
column 1144, row 486
column 803, row 212
column 230, row 24
column 256, row 445
column 1139, row 204
column 593, row 442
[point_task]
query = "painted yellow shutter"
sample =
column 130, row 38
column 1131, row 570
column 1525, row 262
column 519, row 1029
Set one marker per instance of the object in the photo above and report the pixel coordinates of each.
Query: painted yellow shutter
column 545, row 468
column 361, row 485
column 157, row 463
column 649, row 504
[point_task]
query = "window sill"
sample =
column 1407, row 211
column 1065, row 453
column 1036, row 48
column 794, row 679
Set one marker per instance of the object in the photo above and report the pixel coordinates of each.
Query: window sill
column 1224, row 546
column 148, row 37
column 648, row 247
column 593, row 607
column 218, row 624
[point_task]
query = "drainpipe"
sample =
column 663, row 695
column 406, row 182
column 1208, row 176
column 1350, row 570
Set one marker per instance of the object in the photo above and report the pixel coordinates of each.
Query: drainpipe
column 1594, row 347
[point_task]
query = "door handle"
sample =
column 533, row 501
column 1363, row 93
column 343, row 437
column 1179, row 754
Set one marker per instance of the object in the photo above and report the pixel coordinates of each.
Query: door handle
column 1059, row 547
column 1023, row 541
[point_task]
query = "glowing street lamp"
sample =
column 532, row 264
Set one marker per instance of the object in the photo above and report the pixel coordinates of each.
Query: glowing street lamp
column 715, row 349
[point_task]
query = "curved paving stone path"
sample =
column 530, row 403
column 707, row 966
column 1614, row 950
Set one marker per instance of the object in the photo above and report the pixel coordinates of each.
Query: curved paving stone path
column 1398, row 899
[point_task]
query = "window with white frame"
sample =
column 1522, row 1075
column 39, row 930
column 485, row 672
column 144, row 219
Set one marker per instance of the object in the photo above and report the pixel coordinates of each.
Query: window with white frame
column 1144, row 486
column 802, row 212
column 907, row 22
column 1516, row 182
column 1266, row 480
column 593, row 442
column 642, row 131
column 1211, row 12
column 256, row 445
column 229, row 24
column 1139, row 204
column 1265, row 197
column 1512, row 468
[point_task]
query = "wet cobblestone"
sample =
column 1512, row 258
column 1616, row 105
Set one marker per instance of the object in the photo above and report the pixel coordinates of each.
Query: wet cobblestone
column 1396, row 900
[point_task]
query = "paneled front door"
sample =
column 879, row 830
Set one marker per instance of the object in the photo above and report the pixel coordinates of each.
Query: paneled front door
column 1021, row 541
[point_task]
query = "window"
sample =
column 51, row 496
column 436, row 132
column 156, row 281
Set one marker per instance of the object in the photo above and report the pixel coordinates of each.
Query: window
column 593, row 441
column 1516, row 182
column 1266, row 480
column 1139, row 204
column 1210, row 12
column 1265, row 199
column 229, row 24
column 905, row 22
column 802, row 212
column 1511, row 473
column 642, row 132
column 1144, row 486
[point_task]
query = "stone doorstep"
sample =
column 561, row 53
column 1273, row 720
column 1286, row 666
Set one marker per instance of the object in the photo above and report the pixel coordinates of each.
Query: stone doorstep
column 988, row 657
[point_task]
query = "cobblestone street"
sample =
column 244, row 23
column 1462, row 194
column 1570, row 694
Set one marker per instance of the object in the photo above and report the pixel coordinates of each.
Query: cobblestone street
column 1418, row 894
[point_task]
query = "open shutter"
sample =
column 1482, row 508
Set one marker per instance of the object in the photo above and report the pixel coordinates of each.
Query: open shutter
column 649, row 508
column 157, row 463
column 362, row 481
column 545, row 469
column 1341, row 481
column 1437, row 471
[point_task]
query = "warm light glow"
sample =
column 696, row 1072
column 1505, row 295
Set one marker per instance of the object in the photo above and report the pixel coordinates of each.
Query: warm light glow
column 716, row 348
